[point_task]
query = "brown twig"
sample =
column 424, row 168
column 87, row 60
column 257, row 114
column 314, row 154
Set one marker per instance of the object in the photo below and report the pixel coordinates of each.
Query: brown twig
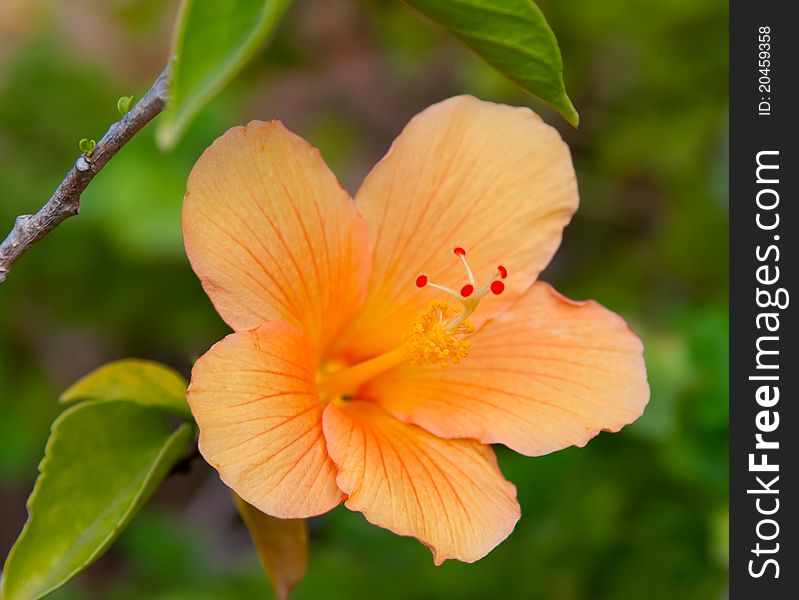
column 65, row 201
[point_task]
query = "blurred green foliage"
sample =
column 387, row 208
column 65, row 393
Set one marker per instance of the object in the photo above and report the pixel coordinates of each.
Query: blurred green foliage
column 637, row 514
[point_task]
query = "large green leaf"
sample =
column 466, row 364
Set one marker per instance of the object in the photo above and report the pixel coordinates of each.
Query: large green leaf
column 102, row 463
column 141, row 381
column 514, row 37
column 212, row 42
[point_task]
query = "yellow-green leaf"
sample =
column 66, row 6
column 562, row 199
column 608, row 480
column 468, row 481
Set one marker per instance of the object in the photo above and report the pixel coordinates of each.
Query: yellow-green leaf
column 282, row 546
column 213, row 41
column 144, row 382
column 514, row 37
column 102, row 462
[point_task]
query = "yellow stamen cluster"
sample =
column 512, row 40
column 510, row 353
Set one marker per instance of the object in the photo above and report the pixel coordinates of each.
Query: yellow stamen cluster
column 436, row 336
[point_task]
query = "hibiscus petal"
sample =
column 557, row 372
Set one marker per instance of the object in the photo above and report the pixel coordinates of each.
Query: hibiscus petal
column 254, row 398
column 449, row 494
column 493, row 179
column 273, row 236
column 547, row 374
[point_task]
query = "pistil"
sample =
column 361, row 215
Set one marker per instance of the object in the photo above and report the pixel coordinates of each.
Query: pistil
column 348, row 380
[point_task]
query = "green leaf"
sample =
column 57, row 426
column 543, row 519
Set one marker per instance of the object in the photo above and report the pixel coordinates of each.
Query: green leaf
column 123, row 104
column 282, row 546
column 87, row 146
column 514, row 37
column 102, row 462
column 141, row 381
column 213, row 41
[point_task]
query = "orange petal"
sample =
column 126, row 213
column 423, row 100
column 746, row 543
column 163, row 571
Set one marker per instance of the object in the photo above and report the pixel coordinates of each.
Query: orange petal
column 254, row 398
column 493, row 179
column 449, row 494
column 547, row 374
column 273, row 236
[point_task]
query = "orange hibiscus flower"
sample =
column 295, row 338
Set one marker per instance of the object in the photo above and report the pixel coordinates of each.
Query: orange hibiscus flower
column 353, row 373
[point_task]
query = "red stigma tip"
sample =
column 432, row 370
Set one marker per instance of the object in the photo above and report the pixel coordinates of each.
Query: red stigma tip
column 503, row 272
column 421, row 281
column 459, row 251
column 497, row 287
column 467, row 290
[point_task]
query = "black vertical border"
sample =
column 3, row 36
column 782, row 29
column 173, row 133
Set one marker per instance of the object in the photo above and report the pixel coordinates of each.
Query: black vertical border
column 749, row 134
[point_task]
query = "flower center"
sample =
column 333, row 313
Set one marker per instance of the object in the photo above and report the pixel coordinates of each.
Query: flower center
column 437, row 335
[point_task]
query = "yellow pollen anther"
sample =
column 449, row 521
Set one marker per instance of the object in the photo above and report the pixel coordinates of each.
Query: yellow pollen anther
column 436, row 336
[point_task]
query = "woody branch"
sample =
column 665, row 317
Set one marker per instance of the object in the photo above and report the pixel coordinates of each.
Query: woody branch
column 65, row 201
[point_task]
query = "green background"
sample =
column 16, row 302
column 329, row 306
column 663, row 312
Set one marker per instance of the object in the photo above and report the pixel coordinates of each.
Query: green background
column 638, row 514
